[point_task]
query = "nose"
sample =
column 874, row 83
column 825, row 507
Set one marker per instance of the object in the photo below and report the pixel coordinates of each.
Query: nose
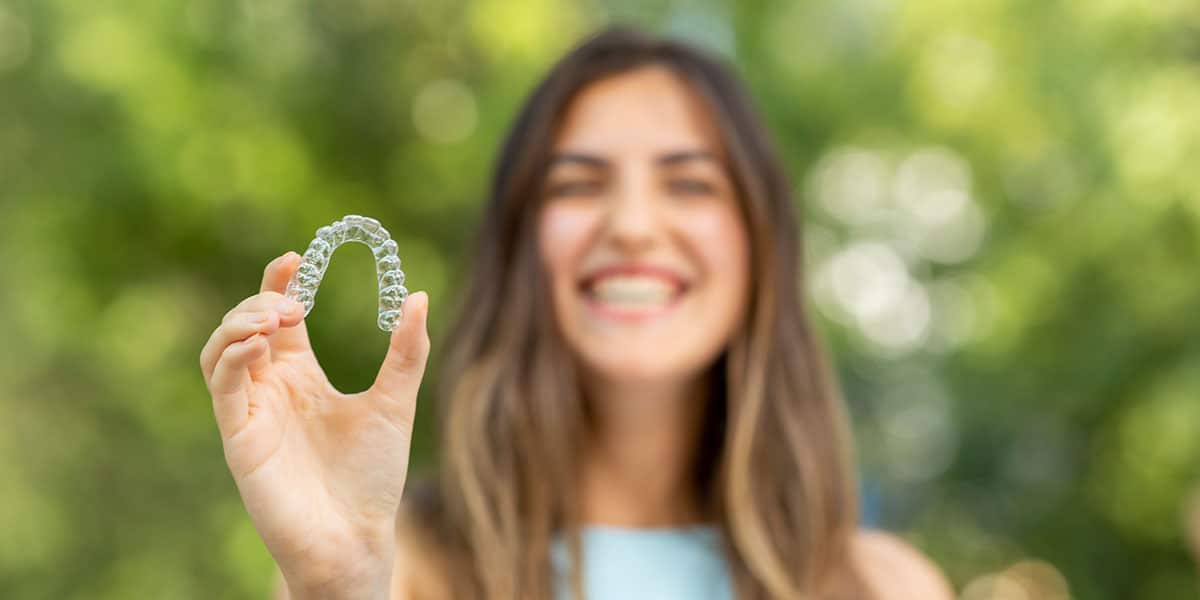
column 633, row 219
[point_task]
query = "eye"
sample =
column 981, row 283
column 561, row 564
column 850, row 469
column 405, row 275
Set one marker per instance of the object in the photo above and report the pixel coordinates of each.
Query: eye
column 573, row 188
column 690, row 187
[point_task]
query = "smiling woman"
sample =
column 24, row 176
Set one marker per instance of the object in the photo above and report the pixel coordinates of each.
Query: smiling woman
column 635, row 404
column 671, row 399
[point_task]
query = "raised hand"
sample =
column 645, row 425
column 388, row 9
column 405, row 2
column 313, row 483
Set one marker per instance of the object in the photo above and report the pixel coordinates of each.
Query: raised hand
column 321, row 472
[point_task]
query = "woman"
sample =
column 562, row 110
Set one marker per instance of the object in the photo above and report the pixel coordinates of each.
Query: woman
column 632, row 386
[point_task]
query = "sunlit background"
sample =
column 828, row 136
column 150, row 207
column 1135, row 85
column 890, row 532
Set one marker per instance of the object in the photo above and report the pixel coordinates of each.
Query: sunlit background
column 1003, row 227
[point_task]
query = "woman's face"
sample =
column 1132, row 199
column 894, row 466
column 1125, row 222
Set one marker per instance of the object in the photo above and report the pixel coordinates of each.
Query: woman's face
column 641, row 232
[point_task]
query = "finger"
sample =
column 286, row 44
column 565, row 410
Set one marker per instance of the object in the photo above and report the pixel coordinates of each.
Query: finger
column 279, row 271
column 239, row 327
column 231, row 381
column 290, row 311
column 404, row 366
column 283, row 336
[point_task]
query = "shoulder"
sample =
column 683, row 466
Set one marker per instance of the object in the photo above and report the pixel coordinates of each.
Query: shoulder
column 894, row 570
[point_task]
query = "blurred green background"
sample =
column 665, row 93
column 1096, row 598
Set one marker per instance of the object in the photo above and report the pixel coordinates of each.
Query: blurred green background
column 1003, row 204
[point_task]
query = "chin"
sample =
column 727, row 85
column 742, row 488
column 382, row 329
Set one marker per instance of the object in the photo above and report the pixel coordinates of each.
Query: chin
column 640, row 367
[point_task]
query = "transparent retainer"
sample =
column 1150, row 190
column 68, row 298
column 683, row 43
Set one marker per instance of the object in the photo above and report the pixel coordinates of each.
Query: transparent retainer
column 364, row 230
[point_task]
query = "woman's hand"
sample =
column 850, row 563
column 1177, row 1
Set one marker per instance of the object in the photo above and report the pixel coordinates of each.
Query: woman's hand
column 320, row 472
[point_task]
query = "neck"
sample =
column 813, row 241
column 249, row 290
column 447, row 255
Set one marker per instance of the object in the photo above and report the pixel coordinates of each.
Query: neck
column 640, row 452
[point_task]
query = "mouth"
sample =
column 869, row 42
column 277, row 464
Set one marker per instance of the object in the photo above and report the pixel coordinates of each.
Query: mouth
column 633, row 292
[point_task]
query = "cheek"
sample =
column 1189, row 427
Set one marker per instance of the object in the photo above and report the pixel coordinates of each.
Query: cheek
column 720, row 243
column 563, row 231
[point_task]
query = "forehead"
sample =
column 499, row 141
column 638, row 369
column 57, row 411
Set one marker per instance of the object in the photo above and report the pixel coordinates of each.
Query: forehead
column 645, row 111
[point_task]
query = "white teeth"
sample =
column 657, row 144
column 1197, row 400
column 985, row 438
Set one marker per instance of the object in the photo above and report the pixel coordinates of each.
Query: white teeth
column 633, row 291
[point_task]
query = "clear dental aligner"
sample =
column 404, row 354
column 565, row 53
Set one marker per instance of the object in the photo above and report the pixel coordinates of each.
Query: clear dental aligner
column 364, row 230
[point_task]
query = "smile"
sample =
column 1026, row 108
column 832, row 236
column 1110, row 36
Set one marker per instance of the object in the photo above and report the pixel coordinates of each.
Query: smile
column 633, row 293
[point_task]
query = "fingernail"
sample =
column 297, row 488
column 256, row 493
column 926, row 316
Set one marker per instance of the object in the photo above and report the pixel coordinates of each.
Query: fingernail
column 285, row 306
column 258, row 318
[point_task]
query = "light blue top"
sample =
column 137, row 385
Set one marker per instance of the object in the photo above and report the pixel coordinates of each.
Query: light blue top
column 661, row 564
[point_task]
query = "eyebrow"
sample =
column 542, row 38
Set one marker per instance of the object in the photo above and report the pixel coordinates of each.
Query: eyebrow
column 666, row 160
column 675, row 158
column 588, row 160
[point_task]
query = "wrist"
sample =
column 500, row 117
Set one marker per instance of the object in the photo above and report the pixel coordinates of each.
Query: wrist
column 348, row 588
column 357, row 583
column 362, row 573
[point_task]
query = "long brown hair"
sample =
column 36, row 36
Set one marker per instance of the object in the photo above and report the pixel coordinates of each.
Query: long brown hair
column 774, row 472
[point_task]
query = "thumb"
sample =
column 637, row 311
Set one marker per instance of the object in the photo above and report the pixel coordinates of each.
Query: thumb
column 403, row 367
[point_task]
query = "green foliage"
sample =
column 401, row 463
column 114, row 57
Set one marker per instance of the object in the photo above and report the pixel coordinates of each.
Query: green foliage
column 1003, row 233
